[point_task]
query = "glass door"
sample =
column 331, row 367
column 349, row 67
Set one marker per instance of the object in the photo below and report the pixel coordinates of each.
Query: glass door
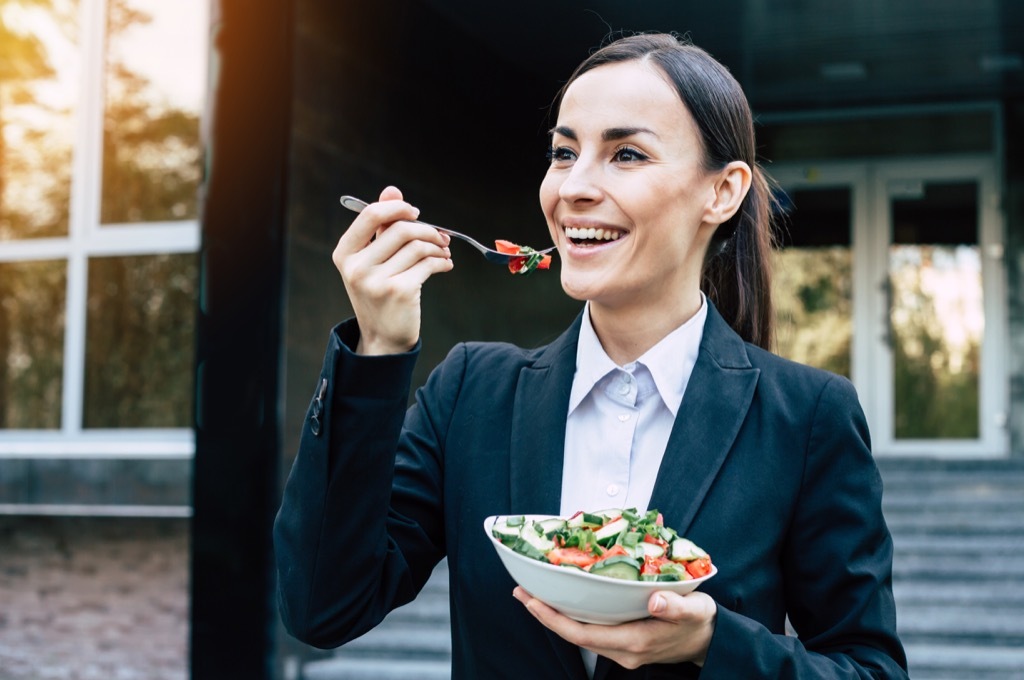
column 939, row 269
column 891, row 275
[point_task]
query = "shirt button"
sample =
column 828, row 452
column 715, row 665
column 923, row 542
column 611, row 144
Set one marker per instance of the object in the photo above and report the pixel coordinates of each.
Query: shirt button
column 623, row 417
column 624, row 388
column 613, row 489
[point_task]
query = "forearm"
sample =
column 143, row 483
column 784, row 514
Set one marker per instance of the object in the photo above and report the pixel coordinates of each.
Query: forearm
column 743, row 648
column 331, row 538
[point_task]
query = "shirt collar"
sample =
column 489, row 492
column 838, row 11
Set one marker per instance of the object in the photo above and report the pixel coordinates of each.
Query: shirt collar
column 670, row 362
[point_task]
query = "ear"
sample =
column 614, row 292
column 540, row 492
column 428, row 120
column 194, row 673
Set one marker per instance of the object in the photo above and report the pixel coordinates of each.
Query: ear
column 730, row 188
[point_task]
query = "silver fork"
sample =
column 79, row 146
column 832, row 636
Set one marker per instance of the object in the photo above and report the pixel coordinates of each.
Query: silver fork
column 356, row 205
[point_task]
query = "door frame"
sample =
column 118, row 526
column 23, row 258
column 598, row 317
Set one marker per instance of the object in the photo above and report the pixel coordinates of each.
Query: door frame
column 871, row 357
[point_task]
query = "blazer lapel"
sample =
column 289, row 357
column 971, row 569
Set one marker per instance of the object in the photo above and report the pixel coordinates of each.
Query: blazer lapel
column 537, row 450
column 713, row 409
column 538, row 427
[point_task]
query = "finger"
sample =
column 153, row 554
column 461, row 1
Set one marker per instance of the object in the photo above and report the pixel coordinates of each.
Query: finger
column 390, row 193
column 367, row 222
column 415, row 276
column 669, row 606
column 560, row 624
column 403, row 245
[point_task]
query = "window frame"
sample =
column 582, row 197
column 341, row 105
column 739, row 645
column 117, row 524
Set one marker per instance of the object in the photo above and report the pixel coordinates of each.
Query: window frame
column 87, row 238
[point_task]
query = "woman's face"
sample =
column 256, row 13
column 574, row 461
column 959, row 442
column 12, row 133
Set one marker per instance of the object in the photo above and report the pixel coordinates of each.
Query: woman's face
column 626, row 197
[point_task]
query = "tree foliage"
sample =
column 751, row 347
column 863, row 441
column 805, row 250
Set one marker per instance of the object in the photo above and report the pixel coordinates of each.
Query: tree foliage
column 140, row 314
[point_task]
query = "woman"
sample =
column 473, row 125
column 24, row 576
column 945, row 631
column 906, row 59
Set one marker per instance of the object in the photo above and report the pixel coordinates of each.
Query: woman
column 659, row 396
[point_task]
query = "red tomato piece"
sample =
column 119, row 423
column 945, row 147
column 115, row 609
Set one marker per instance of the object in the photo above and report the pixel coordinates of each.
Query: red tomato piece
column 652, row 565
column 698, row 567
column 506, row 247
column 613, row 551
column 655, row 540
column 515, row 264
column 573, row 556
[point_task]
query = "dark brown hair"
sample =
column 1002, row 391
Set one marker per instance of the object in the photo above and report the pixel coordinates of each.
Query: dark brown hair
column 737, row 273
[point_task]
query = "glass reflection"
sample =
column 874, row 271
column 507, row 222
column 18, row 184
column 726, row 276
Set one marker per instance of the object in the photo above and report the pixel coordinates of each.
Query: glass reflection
column 936, row 313
column 812, row 283
column 39, row 69
column 32, row 297
column 139, row 341
column 154, row 86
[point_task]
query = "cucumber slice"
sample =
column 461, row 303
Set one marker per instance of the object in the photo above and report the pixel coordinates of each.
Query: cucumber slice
column 504, row 533
column 683, row 549
column 607, row 534
column 651, row 549
column 538, row 541
column 660, row 577
column 619, row 566
column 524, row 547
column 550, row 527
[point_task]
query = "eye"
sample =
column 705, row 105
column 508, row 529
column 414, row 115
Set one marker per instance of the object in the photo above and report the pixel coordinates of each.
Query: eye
column 628, row 154
column 560, row 154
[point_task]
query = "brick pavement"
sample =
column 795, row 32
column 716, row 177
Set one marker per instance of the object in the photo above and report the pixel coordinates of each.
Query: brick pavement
column 93, row 598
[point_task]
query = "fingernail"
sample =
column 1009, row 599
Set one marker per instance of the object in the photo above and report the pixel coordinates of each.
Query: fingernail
column 658, row 605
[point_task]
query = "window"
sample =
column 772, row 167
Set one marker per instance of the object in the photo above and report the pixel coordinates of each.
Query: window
column 100, row 165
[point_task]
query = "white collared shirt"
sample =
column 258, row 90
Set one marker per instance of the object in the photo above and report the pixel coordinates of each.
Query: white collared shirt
column 620, row 419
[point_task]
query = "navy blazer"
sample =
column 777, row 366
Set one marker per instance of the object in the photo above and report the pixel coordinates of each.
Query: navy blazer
column 768, row 468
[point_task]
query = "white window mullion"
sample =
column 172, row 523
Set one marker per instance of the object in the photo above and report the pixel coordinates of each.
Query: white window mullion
column 85, row 193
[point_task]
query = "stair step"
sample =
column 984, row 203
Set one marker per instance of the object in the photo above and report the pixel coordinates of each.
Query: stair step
column 402, row 640
column 958, row 568
column 980, row 546
column 964, row 661
column 965, row 621
column 991, row 594
column 344, row 668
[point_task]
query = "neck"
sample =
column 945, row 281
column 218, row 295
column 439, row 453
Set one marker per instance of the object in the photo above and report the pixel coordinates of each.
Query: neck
column 626, row 333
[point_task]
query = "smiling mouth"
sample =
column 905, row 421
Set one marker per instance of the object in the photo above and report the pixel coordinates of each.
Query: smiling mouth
column 589, row 236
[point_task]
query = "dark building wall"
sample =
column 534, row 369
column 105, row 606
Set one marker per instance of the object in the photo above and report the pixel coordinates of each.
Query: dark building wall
column 391, row 93
column 461, row 133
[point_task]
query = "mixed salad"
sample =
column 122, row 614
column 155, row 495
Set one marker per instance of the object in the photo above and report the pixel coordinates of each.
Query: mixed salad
column 616, row 543
column 529, row 261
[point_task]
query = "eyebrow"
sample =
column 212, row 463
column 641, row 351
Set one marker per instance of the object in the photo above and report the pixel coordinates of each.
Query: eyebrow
column 609, row 135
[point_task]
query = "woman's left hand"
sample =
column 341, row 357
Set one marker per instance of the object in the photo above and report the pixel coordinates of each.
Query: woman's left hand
column 681, row 630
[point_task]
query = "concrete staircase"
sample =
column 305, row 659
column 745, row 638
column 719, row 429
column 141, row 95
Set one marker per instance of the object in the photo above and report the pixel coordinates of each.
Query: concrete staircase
column 412, row 643
column 958, row 528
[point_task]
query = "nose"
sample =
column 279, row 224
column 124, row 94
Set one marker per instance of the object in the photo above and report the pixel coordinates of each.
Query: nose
column 581, row 184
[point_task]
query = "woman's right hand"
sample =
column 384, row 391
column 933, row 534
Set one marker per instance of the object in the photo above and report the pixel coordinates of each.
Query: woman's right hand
column 384, row 259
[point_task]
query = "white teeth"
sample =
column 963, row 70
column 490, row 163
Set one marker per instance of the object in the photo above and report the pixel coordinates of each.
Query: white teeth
column 592, row 234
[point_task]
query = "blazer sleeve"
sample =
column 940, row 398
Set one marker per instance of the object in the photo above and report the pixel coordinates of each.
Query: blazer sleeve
column 352, row 543
column 837, row 567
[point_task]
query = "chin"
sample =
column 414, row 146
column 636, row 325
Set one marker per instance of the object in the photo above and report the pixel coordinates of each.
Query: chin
column 583, row 288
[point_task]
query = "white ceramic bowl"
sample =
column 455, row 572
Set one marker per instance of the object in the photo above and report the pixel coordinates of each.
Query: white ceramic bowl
column 581, row 595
